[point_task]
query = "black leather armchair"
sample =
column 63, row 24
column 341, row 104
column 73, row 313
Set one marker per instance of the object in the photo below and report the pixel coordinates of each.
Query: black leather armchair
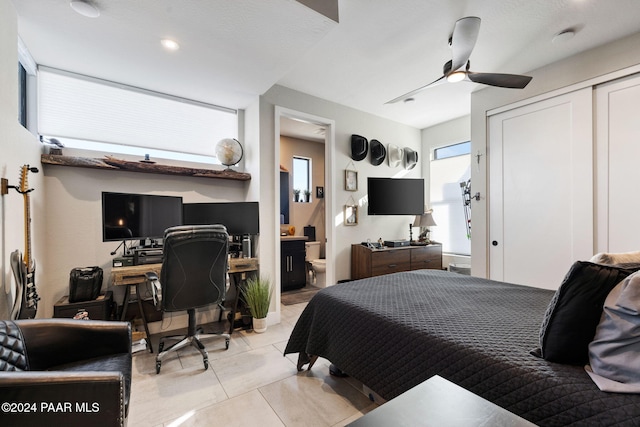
column 64, row 372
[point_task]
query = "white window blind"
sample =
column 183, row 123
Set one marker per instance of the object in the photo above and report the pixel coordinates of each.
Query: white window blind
column 84, row 108
column 446, row 202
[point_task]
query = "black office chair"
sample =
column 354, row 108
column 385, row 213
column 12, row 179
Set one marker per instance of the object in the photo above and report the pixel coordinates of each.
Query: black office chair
column 193, row 275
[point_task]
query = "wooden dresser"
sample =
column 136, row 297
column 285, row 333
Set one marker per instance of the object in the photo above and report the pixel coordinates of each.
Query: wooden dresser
column 366, row 262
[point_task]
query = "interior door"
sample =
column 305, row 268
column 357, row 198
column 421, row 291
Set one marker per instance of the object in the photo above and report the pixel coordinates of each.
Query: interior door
column 618, row 151
column 541, row 190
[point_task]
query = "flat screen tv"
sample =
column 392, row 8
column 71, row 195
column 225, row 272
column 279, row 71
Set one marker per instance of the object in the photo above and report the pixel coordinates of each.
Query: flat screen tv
column 138, row 216
column 240, row 218
column 395, row 196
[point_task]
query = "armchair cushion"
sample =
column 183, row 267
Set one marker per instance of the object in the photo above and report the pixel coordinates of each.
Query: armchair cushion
column 12, row 352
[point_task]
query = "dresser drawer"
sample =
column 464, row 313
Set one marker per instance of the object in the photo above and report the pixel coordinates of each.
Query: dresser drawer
column 393, row 261
column 426, row 257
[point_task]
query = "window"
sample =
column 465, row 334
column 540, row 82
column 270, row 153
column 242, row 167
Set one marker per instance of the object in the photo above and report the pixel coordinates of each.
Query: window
column 302, row 179
column 452, row 150
column 450, row 167
column 22, row 95
column 26, row 88
column 89, row 113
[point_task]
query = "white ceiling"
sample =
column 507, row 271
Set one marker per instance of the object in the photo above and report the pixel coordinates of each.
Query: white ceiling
column 233, row 51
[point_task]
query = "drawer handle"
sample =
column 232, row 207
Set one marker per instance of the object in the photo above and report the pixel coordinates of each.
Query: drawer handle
column 393, row 265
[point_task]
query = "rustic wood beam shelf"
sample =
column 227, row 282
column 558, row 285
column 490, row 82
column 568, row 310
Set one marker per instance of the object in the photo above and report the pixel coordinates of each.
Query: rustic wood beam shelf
column 111, row 163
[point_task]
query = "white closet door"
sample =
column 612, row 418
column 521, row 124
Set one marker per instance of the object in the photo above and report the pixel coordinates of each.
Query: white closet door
column 618, row 165
column 541, row 190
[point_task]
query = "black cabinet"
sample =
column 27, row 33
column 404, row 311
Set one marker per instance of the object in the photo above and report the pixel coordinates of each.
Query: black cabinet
column 292, row 259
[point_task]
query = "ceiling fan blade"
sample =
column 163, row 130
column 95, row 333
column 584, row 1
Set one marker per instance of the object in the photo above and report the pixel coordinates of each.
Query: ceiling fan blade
column 465, row 34
column 511, row 81
column 413, row 92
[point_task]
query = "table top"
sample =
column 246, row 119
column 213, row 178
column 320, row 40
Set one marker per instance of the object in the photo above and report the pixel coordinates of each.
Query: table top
column 438, row 402
column 133, row 274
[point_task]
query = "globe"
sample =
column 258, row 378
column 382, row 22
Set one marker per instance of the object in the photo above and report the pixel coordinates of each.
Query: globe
column 229, row 151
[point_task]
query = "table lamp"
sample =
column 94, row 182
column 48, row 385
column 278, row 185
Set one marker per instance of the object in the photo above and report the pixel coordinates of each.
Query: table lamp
column 424, row 221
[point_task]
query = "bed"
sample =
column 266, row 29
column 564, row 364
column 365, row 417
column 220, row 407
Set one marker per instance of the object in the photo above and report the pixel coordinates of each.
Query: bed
column 395, row 331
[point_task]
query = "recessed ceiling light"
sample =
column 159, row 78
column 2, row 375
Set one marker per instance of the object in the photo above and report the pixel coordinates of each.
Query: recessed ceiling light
column 563, row 36
column 170, row 44
column 85, row 9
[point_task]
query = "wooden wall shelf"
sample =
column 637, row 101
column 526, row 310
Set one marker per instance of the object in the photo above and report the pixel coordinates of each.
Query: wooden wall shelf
column 111, row 163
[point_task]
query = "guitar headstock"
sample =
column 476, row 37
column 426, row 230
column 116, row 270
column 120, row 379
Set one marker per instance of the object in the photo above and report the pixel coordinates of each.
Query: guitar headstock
column 23, row 187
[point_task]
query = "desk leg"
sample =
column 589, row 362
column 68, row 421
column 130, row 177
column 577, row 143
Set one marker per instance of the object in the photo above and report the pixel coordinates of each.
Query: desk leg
column 125, row 303
column 235, row 306
column 144, row 317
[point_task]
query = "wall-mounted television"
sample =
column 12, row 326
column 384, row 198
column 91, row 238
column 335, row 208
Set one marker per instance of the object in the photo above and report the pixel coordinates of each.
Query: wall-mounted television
column 395, row 196
column 240, row 218
column 138, row 216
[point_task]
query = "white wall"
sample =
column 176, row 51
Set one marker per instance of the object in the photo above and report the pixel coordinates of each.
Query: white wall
column 347, row 122
column 17, row 147
column 572, row 72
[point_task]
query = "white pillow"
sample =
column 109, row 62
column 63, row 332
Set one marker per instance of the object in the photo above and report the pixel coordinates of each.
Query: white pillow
column 616, row 258
column 614, row 353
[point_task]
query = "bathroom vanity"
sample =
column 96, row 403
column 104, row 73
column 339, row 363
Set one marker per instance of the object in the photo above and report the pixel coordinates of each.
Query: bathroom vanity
column 292, row 262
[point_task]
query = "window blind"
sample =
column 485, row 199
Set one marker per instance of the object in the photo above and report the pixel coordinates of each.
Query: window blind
column 85, row 108
column 446, row 201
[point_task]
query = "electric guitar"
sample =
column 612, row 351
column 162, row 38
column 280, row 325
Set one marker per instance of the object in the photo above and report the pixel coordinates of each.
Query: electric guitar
column 24, row 268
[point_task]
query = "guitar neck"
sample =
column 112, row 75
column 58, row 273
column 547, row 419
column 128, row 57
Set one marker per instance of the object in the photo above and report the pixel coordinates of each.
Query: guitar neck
column 28, row 259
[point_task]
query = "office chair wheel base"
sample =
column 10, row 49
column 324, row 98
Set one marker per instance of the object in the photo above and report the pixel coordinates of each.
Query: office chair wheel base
column 158, row 365
column 226, row 344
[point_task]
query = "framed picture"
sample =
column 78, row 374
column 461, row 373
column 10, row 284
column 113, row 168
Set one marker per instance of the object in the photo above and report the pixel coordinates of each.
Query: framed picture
column 350, row 180
column 350, row 215
column 319, row 192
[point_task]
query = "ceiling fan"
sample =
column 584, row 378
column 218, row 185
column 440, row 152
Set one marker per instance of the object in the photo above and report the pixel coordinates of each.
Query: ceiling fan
column 462, row 41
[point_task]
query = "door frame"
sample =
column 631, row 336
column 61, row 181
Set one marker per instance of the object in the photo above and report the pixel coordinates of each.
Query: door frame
column 329, row 184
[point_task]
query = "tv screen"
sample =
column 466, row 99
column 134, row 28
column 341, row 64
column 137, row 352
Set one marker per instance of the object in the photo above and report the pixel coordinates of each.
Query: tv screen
column 395, row 196
column 239, row 217
column 138, row 216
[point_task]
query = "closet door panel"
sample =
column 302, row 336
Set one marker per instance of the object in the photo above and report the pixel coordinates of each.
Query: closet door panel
column 541, row 187
column 618, row 163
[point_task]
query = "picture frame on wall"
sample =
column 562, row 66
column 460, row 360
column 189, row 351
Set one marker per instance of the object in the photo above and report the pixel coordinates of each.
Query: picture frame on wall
column 319, row 192
column 350, row 180
column 350, row 215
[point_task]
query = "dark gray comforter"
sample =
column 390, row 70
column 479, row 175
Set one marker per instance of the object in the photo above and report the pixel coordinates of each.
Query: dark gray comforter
column 393, row 332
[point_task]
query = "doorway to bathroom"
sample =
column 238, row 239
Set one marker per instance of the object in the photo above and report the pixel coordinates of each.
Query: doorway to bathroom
column 303, row 152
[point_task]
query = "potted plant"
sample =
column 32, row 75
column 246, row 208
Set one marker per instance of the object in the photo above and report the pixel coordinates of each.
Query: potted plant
column 256, row 294
column 307, row 195
column 296, row 194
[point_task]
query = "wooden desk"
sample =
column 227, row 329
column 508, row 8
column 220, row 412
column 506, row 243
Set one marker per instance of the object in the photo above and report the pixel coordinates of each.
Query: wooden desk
column 134, row 276
column 438, row 402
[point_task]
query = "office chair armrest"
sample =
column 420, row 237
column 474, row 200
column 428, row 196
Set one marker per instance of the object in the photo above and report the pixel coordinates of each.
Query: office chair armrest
column 156, row 288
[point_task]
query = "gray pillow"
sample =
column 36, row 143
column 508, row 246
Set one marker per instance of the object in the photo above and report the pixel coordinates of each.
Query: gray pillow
column 614, row 353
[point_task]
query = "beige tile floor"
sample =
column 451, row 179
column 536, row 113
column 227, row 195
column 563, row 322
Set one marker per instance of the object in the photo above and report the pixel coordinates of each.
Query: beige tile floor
column 250, row 384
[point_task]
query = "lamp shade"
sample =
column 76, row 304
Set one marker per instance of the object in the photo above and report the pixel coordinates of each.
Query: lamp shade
column 424, row 220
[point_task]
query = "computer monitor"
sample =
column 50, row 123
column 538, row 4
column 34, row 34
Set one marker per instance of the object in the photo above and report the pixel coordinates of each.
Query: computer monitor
column 240, row 218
